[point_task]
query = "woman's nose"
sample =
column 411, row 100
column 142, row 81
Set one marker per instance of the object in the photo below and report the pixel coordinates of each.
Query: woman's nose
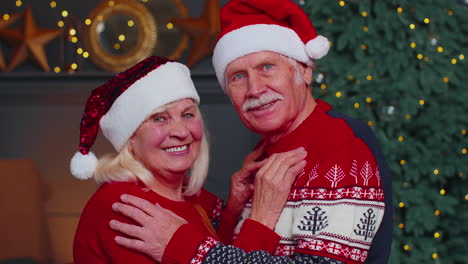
column 179, row 129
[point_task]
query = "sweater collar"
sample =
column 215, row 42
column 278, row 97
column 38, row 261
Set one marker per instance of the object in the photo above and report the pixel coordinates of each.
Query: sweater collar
column 307, row 129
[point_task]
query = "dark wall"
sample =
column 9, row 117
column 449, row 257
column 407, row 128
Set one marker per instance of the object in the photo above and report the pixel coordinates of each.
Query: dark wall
column 40, row 112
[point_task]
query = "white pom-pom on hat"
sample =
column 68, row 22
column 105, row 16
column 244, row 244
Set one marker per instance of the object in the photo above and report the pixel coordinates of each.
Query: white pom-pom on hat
column 318, row 47
column 83, row 166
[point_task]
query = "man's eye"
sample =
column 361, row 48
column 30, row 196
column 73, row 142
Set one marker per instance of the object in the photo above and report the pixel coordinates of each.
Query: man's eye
column 238, row 76
column 267, row 66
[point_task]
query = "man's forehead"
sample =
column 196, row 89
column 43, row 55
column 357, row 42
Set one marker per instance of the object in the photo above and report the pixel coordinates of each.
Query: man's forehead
column 252, row 58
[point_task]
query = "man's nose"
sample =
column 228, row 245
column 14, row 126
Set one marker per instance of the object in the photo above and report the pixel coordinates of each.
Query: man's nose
column 256, row 85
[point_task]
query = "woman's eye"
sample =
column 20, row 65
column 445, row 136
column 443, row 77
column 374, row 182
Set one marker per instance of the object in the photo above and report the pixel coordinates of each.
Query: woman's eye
column 188, row 115
column 159, row 119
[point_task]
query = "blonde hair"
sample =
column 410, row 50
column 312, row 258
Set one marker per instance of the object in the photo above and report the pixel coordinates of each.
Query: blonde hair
column 124, row 167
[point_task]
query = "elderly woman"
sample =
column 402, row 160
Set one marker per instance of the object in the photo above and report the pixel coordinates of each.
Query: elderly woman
column 150, row 115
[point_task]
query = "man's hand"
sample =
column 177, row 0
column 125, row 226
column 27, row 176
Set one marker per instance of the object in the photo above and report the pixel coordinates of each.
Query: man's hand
column 273, row 184
column 242, row 183
column 158, row 225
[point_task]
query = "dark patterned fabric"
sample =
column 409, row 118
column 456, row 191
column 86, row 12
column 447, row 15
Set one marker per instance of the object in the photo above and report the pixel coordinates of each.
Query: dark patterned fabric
column 225, row 254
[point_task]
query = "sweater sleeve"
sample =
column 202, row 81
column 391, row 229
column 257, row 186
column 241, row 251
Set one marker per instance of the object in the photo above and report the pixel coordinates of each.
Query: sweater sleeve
column 225, row 254
column 187, row 245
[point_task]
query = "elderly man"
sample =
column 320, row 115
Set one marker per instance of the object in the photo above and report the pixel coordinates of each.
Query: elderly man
column 339, row 208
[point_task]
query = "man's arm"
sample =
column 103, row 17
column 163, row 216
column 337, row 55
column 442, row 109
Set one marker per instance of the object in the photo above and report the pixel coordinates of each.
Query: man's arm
column 224, row 254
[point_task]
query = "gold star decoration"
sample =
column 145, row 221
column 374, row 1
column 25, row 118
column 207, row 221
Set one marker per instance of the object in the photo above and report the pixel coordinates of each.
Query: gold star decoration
column 30, row 40
column 202, row 30
column 4, row 23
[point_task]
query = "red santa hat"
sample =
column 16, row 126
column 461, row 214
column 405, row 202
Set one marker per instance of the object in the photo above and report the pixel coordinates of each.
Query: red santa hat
column 121, row 105
column 281, row 26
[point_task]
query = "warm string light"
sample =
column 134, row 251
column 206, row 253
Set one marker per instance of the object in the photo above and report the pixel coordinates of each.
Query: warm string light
column 71, row 36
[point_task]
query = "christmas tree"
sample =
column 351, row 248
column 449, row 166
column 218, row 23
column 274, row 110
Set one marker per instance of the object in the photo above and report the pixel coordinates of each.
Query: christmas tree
column 400, row 66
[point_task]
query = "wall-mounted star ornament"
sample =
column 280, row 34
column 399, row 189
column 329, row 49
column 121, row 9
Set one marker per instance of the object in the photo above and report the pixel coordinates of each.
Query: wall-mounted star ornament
column 3, row 25
column 202, row 30
column 29, row 40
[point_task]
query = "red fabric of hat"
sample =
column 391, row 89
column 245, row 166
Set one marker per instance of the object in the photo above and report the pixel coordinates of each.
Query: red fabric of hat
column 281, row 26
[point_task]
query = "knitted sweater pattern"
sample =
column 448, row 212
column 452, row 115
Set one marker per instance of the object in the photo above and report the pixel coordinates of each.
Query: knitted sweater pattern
column 337, row 202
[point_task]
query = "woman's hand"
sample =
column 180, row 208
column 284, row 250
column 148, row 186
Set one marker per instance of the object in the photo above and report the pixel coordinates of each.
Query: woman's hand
column 242, row 183
column 273, row 183
column 158, row 225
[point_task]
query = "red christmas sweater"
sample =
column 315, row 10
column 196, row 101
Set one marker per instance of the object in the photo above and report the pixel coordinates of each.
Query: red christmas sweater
column 94, row 239
column 336, row 204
